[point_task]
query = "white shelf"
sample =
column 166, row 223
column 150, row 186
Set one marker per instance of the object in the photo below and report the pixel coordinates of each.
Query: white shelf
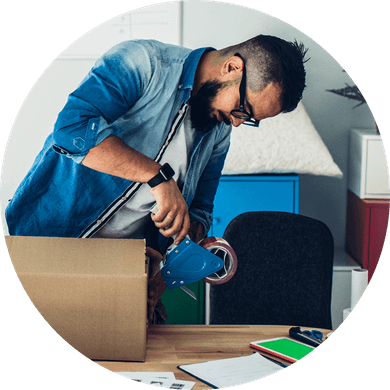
column 368, row 175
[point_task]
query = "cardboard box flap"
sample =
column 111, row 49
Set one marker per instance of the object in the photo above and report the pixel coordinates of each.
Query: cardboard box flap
column 55, row 255
column 93, row 292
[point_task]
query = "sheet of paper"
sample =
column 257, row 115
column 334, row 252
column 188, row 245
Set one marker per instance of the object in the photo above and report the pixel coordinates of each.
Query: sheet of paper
column 171, row 384
column 148, row 375
column 160, row 379
column 234, row 371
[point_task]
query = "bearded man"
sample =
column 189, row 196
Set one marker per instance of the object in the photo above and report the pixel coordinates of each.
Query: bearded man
column 151, row 123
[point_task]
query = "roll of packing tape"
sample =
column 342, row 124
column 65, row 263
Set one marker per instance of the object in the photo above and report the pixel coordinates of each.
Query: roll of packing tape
column 221, row 248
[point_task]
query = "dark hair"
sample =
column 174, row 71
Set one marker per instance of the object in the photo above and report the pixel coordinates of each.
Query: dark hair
column 285, row 68
column 272, row 59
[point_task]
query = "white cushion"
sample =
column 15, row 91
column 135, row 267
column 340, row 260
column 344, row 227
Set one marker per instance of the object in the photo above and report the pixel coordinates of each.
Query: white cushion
column 287, row 143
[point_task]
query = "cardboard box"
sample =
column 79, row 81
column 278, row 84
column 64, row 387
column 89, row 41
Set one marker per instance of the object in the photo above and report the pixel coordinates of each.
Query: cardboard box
column 93, row 292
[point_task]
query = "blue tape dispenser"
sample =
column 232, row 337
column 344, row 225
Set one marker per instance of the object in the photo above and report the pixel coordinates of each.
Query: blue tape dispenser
column 212, row 260
column 187, row 263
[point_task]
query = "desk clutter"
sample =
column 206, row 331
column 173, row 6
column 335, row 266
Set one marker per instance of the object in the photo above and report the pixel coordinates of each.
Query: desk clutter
column 215, row 373
column 192, row 352
column 239, row 370
column 271, row 356
column 288, row 349
column 233, row 371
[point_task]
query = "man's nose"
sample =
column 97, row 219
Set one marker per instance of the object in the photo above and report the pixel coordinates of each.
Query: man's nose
column 236, row 121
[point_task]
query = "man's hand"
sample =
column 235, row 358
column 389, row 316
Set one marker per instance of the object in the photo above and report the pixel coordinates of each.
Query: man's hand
column 196, row 232
column 156, row 284
column 172, row 217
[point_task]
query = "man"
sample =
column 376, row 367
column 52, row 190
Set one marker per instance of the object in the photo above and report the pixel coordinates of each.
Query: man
column 150, row 123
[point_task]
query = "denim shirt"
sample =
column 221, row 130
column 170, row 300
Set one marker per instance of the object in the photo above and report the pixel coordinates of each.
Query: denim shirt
column 137, row 91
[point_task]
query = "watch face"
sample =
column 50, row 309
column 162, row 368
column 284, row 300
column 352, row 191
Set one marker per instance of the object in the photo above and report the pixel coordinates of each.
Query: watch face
column 167, row 171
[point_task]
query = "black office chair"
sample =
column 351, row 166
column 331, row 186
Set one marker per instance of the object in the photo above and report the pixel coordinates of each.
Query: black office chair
column 284, row 273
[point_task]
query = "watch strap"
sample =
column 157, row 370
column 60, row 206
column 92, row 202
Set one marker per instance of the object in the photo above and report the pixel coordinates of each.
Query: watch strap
column 165, row 174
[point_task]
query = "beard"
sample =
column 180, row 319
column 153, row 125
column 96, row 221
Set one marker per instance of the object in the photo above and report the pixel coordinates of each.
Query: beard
column 201, row 109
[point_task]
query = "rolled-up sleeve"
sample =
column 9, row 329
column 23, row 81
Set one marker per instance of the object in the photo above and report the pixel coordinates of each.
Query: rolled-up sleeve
column 112, row 86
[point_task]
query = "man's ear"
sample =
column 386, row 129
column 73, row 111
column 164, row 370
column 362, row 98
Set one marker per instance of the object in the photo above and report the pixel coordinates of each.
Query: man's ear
column 232, row 68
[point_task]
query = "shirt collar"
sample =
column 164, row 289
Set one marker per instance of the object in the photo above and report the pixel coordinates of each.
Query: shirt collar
column 190, row 65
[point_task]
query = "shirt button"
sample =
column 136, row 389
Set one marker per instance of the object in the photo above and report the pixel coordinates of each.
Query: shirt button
column 98, row 221
column 124, row 198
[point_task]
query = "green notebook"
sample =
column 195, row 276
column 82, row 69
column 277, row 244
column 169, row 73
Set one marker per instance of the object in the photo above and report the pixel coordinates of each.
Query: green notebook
column 284, row 348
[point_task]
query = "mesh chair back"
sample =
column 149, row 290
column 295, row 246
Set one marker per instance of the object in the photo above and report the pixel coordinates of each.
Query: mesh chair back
column 284, row 273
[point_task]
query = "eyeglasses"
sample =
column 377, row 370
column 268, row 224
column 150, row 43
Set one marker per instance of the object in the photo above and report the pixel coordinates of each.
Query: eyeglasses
column 241, row 113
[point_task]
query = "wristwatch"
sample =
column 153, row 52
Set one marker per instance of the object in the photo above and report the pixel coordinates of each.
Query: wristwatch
column 165, row 174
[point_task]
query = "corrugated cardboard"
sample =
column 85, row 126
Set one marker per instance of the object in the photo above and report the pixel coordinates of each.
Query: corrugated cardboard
column 93, row 292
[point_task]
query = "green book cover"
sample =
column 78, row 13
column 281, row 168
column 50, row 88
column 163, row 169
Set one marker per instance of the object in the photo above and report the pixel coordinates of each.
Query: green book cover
column 284, row 346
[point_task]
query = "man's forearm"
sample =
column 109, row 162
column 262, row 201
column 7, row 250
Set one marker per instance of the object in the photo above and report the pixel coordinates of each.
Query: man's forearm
column 114, row 157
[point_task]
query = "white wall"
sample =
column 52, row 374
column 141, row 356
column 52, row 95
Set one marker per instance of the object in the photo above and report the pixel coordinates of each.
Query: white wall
column 219, row 25
column 38, row 114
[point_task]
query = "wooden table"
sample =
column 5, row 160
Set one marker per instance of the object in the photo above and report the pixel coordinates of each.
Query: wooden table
column 171, row 345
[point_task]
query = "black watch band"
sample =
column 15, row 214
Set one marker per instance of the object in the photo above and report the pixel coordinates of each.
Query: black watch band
column 165, row 174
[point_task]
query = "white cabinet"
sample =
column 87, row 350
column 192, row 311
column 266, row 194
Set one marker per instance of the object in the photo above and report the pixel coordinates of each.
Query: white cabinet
column 368, row 176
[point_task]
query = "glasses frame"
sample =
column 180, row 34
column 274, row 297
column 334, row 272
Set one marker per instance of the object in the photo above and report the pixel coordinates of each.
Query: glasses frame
column 242, row 113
